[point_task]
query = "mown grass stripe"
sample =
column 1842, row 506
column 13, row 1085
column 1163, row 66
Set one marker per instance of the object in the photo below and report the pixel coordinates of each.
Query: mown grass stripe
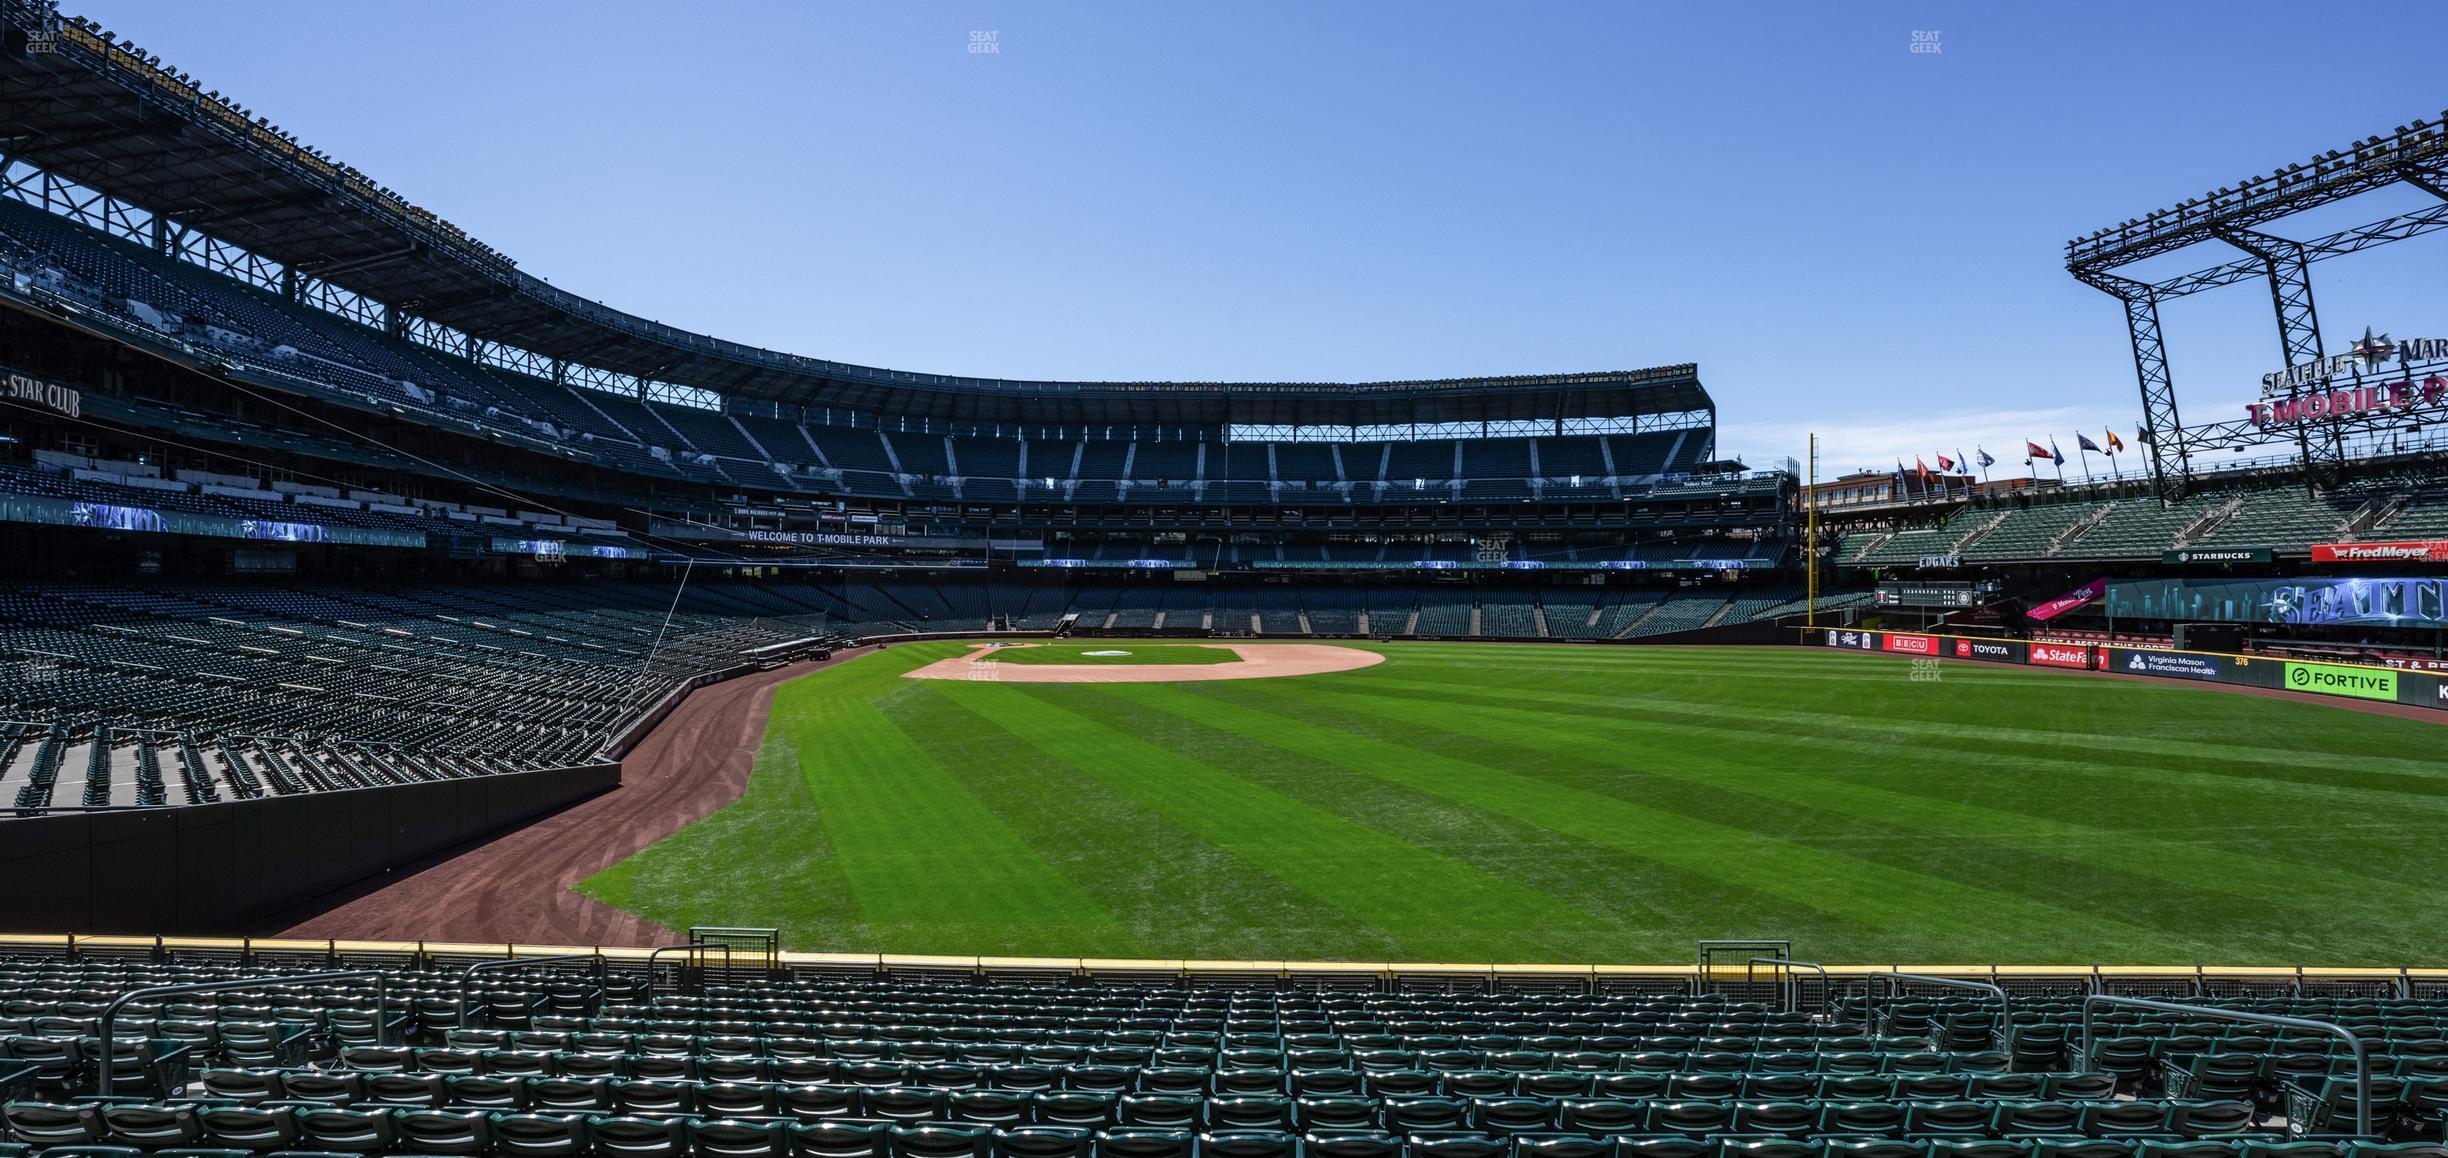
column 1322, row 855
column 1170, row 890
column 2013, row 777
column 1879, row 896
column 2161, row 884
column 1639, row 900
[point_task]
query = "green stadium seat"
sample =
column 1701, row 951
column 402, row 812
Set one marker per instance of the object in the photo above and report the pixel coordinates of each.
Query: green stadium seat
column 2190, row 1148
column 1873, row 1148
column 48, row 1125
column 1238, row 1112
column 1873, row 1118
column 1136, row 1142
column 252, row 1128
column 2108, row 1119
column 2082, row 1148
column 1043, row 1142
column 423, row 1091
column 1248, row 1144
column 938, row 1139
column 1457, row 1144
column 1510, row 1116
column 1351, row 1144
column 540, row 1135
column 1654, row 1147
column 448, row 1132
column 1962, row 1147
column 1691, row 1119
column 347, row 1130
column 1942, row 1119
column 815, row 1139
column 333, row 1088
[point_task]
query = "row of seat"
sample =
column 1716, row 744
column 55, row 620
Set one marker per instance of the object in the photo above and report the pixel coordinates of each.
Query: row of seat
column 476, row 1132
column 1076, row 1107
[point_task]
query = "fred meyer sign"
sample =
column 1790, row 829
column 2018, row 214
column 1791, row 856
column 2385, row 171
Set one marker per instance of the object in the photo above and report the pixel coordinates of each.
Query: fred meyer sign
column 2430, row 551
column 2328, row 679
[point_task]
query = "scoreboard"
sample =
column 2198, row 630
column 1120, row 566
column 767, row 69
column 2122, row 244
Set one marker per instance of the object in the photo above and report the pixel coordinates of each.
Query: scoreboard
column 1950, row 596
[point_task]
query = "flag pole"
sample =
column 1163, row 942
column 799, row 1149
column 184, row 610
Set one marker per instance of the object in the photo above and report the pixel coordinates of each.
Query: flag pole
column 2086, row 461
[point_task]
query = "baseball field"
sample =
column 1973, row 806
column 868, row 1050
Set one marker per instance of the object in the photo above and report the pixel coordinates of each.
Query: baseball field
column 1487, row 803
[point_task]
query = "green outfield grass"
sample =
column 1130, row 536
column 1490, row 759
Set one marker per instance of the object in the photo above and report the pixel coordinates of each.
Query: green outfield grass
column 1523, row 803
column 1140, row 653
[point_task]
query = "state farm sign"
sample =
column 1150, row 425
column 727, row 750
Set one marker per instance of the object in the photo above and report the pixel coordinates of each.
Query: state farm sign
column 2060, row 655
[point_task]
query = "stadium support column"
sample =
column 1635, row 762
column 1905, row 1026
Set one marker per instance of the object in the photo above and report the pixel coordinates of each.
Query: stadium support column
column 2287, row 264
column 1810, row 541
column 2171, row 458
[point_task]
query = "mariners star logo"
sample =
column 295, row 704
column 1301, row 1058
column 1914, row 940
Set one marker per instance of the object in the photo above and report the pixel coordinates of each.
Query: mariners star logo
column 2373, row 349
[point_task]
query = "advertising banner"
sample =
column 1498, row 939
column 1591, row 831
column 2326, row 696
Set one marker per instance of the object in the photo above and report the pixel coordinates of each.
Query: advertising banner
column 1992, row 650
column 2361, row 602
column 2423, row 690
column 2329, row 679
column 2192, row 555
column 2061, row 655
column 2183, row 665
column 2070, row 600
column 1911, row 644
column 2424, row 551
column 61, row 512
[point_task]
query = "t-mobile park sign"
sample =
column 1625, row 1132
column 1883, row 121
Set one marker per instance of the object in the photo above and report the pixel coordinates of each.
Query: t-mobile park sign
column 2300, row 393
column 2350, row 402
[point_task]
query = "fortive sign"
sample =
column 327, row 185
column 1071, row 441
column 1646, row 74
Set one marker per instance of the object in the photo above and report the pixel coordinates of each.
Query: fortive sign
column 2349, row 403
column 2336, row 680
column 1914, row 644
column 2427, row 551
column 2060, row 655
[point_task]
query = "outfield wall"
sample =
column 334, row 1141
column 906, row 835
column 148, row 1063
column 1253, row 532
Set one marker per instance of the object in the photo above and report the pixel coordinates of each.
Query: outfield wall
column 203, row 868
column 2386, row 685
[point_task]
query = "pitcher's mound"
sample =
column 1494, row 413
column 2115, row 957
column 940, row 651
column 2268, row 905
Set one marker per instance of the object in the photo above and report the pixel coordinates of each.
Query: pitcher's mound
column 1255, row 661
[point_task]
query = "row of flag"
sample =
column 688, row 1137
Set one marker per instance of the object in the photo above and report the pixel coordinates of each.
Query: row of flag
column 1962, row 464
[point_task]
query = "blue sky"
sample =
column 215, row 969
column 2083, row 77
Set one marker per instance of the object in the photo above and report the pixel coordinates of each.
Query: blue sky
column 1847, row 236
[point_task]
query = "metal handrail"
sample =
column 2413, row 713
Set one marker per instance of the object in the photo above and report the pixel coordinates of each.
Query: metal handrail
column 660, row 950
column 2005, row 1004
column 1793, row 985
column 467, row 979
column 109, row 1061
column 2362, row 1053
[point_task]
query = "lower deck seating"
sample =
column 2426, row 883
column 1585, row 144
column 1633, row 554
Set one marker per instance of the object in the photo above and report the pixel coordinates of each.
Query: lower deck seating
column 578, row 1062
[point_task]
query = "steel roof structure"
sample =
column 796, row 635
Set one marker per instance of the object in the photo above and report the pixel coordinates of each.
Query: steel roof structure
column 80, row 104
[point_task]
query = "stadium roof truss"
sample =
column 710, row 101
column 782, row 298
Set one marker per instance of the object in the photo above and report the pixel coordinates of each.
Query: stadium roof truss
column 117, row 140
column 2415, row 155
